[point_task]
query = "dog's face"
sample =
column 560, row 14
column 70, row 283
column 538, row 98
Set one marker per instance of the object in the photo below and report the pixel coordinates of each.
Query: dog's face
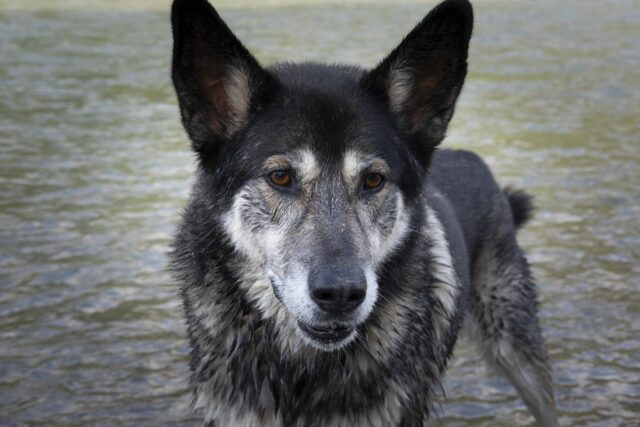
column 319, row 206
column 314, row 170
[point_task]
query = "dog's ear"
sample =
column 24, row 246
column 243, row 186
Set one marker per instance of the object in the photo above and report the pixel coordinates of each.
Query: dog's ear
column 422, row 77
column 217, row 81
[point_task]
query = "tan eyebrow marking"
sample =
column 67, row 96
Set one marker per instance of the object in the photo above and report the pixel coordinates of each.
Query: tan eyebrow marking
column 354, row 162
column 302, row 161
column 307, row 165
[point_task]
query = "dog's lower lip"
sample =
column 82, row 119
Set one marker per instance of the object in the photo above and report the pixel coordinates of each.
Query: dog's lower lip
column 327, row 334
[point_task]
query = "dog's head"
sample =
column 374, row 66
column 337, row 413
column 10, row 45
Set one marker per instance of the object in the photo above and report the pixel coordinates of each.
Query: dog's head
column 312, row 171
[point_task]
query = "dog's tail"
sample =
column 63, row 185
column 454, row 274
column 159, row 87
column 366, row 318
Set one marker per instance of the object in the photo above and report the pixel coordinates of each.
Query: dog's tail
column 521, row 205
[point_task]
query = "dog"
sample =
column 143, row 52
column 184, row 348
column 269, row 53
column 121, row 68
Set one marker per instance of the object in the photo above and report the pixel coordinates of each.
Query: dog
column 329, row 255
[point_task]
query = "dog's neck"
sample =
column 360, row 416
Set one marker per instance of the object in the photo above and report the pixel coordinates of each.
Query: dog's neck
column 254, row 359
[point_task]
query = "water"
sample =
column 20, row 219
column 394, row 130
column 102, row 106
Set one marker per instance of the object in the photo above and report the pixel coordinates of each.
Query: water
column 95, row 167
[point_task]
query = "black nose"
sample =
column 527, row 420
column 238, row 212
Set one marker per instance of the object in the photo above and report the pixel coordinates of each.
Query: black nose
column 337, row 289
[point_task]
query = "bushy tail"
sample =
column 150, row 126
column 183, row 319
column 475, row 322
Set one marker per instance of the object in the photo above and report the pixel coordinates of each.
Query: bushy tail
column 521, row 205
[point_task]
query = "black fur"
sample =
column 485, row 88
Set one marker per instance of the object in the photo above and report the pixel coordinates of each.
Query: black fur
column 457, row 258
column 521, row 204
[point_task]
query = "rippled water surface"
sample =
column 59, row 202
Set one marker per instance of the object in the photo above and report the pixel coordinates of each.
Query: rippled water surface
column 94, row 170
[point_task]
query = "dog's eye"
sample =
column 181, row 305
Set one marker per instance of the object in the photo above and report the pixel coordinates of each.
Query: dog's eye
column 281, row 178
column 372, row 181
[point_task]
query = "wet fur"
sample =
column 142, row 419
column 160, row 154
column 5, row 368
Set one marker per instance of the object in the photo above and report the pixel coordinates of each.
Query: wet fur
column 437, row 242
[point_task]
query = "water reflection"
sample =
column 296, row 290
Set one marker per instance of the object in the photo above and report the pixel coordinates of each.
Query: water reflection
column 95, row 169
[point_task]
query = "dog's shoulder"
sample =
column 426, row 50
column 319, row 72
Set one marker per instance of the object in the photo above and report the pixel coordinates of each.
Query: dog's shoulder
column 475, row 198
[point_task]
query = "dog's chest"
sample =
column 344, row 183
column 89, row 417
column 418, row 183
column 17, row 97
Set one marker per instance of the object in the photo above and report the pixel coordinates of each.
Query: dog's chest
column 387, row 412
column 359, row 394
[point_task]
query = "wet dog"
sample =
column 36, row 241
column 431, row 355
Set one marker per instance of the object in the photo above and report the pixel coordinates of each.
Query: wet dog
column 329, row 255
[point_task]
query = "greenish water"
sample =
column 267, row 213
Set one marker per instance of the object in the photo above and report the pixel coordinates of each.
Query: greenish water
column 95, row 167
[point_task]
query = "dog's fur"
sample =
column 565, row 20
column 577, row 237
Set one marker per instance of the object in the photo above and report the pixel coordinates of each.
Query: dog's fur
column 435, row 243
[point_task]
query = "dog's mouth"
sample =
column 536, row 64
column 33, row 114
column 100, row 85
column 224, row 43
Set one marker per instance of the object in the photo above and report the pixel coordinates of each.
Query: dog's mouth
column 327, row 336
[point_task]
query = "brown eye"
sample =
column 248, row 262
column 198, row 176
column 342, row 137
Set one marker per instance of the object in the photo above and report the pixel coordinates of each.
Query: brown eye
column 281, row 178
column 372, row 181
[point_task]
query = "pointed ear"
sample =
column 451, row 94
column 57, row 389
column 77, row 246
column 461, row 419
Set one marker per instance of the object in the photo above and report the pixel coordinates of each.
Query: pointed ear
column 217, row 81
column 422, row 77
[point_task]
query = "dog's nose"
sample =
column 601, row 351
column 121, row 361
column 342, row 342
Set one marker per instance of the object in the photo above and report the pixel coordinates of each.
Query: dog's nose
column 337, row 289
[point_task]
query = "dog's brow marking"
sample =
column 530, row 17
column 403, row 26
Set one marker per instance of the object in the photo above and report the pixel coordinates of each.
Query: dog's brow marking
column 302, row 160
column 308, row 165
column 352, row 164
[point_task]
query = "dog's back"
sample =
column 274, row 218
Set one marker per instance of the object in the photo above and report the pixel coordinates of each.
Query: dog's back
column 502, row 297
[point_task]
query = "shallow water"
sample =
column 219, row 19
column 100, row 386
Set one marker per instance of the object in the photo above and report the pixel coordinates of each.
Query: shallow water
column 94, row 170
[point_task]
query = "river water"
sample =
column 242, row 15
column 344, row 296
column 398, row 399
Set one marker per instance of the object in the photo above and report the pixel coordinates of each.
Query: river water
column 95, row 167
